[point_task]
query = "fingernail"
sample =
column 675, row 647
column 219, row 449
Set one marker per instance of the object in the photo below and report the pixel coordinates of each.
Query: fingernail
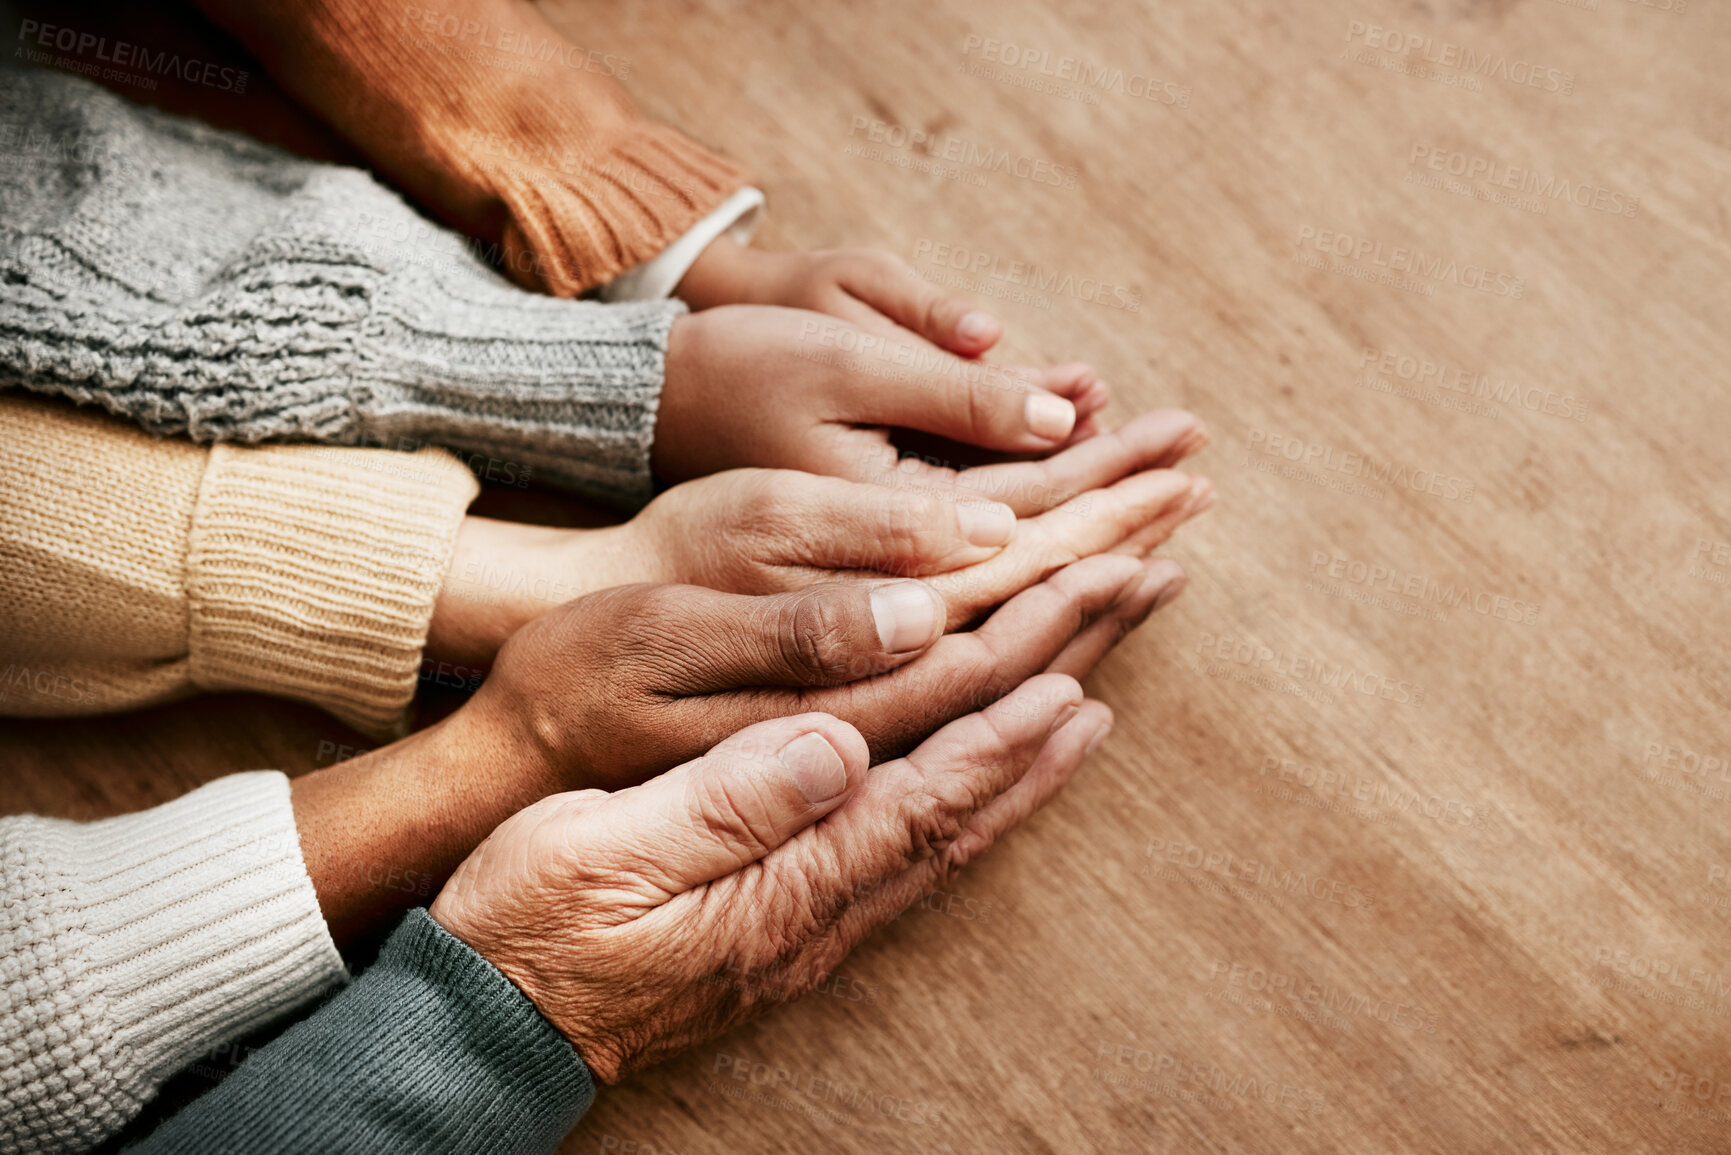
column 975, row 326
column 1099, row 737
column 1050, row 416
column 1063, row 718
column 817, row 769
column 907, row 616
column 986, row 522
column 1170, row 591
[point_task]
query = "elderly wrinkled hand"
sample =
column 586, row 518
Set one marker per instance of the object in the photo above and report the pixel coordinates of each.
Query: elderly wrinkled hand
column 648, row 920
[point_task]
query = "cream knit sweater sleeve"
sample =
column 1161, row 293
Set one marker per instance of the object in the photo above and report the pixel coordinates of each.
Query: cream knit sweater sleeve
column 135, row 570
column 130, row 946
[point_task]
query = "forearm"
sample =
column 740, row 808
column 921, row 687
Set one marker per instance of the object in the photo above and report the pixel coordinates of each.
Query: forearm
column 209, row 287
column 381, row 833
column 503, row 575
column 485, row 113
column 141, row 569
column 431, row 1052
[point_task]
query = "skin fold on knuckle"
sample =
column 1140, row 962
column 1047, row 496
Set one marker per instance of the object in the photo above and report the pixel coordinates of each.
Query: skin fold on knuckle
column 814, row 636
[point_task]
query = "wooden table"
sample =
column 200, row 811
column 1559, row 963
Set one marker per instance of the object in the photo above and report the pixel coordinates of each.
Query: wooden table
column 1412, row 834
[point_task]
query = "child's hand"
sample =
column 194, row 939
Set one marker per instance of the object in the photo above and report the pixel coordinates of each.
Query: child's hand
column 875, row 290
column 795, row 389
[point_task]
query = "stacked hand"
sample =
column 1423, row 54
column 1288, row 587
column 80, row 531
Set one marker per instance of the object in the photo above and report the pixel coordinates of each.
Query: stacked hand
column 755, row 531
column 650, row 919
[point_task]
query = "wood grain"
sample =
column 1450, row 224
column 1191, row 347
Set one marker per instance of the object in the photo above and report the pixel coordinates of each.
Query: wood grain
column 1366, row 865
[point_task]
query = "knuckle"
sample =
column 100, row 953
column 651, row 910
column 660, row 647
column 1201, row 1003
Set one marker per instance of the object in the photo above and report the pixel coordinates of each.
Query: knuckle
column 731, row 805
column 914, row 528
column 815, row 635
column 931, row 815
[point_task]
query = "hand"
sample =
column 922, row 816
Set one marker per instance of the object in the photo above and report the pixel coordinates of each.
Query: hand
column 619, row 686
column 792, row 389
column 646, row 921
column 869, row 288
column 755, row 531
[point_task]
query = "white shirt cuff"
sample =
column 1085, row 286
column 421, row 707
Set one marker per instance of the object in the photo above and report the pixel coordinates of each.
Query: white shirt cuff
column 656, row 278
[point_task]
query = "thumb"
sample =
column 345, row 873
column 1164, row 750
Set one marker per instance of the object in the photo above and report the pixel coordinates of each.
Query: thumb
column 823, row 635
column 725, row 810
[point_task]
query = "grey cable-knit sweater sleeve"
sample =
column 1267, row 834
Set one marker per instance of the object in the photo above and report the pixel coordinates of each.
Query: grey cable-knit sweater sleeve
column 206, row 285
column 431, row 1052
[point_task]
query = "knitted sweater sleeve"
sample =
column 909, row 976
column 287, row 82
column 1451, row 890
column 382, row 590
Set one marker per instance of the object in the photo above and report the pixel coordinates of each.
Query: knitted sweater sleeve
column 130, row 946
column 135, row 569
column 431, row 1052
column 205, row 285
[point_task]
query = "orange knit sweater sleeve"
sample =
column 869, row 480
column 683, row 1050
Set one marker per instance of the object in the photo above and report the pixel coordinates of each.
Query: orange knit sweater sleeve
column 498, row 125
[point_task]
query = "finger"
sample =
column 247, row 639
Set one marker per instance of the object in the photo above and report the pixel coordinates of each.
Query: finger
column 889, row 285
column 1055, row 765
column 899, row 383
column 1198, row 501
column 835, row 524
column 1165, row 580
column 1155, row 440
column 822, row 635
column 958, row 675
column 731, row 807
column 910, row 811
column 963, row 672
column 1095, row 522
column 1080, row 384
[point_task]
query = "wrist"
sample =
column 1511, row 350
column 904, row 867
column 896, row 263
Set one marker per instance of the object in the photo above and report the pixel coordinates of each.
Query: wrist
column 725, row 273
column 503, row 575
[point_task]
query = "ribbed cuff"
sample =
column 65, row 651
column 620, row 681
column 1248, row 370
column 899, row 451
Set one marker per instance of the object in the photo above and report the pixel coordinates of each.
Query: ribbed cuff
column 656, row 278
column 431, row 1051
column 312, row 573
column 134, row 944
column 561, row 393
column 203, row 923
column 578, row 226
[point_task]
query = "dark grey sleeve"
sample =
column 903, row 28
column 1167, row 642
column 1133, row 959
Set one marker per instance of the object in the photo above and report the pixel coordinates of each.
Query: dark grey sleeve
column 430, row 1052
column 207, row 286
